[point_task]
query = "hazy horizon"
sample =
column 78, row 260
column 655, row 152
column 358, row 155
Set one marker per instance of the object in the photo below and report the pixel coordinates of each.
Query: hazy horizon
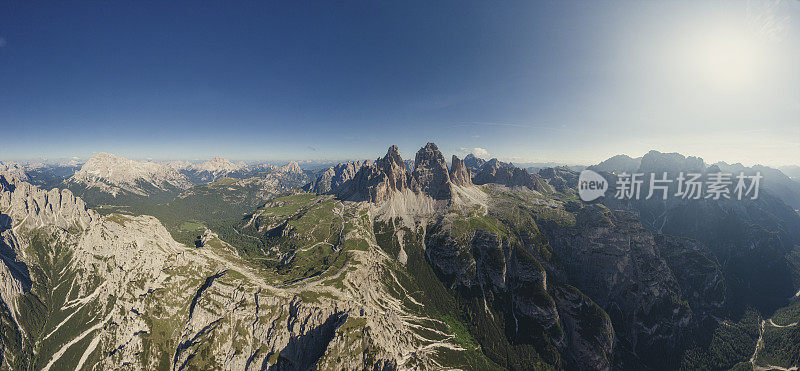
column 406, row 155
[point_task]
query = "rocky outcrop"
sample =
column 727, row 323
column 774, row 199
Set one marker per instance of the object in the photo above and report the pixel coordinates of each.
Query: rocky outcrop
column 32, row 207
column 588, row 330
column 13, row 171
column 619, row 164
column 430, row 173
column 500, row 277
column 509, row 175
column 24, row 210
column 697, row 271
column 657, row 162
column 774, row 181
column 395, row 176
column 214, row 169
column 459, row 174
column 749, row 238
column 389, row 175
column 219, row 166
column 114, row 175
column 335, row 177
column 473, row 163
column 610, row 257
column 124, row 289
column 560, row 178
column 377, row 182
column 290, row 168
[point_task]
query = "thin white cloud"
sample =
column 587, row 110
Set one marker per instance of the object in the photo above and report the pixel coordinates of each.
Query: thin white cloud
column 2, row 42
column 769, row 18
column 480, row 152
column 477, row 151
column 492, row 124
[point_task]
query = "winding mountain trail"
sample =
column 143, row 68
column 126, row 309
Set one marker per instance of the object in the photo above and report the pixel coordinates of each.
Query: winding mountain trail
column 760, row 343
column 773, row 324
column 229, row 265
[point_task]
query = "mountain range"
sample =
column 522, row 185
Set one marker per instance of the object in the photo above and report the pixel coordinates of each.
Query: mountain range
column 391, row 264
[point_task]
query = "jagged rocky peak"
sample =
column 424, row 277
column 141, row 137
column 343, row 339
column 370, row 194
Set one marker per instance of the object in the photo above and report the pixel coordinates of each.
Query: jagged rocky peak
column 22, row 201
column 220, row 165
column 180, row 165
column 389, row 175
column 392, row 166
column 655, row 161
column 12, row 170
column 291, row 168
column 430, row 172
column 473, row 163
column 409, row 165
column 560, row 177
column 460, row 174
column 618, row 163
column 494, row 171
column 120, row 172
column 335, row 176
column 373, row 182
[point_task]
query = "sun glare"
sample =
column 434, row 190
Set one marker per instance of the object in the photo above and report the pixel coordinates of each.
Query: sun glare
column 728, row 54
column 730, row 61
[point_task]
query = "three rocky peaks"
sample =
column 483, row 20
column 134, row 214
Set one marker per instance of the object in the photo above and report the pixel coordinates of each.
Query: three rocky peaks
column 379, row 180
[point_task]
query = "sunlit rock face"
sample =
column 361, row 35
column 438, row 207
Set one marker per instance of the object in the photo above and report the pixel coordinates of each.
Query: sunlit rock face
column 494, row 171
column 389, row 175
column 460, row 174
column 114, row 175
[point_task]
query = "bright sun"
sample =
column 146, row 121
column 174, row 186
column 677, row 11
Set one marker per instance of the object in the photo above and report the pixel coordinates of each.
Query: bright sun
column 730, row 60
column 723, row 56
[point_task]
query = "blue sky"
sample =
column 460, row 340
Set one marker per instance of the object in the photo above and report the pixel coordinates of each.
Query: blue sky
column 522, row 81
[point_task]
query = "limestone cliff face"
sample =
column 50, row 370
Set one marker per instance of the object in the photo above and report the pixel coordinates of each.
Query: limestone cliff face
column 430, row 173
column 460, row 174
column 33, row 207
column 25, row 209
column 749, row 238
column 498, row 271
column 588, row 330
column 116, row 175
column 335, row 177
column 430, row 177
column 610, row 257
column 126, row 294
column 13, row 171
column 509, row 175
column 389, row 175
column 657, row 162
column 377, row 181
column 393, row 175
column 561, row 178
column 473, row 163
column 697, row 271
